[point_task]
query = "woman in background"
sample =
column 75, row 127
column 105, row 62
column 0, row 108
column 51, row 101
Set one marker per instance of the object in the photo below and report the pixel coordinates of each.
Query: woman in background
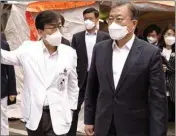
column 168, row 52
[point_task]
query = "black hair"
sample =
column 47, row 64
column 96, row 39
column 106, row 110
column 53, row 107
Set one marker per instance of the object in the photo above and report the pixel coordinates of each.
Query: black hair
column 62, row 20
column 46, row 17
column 150, row 29
column 134, row 12
column 91, row 10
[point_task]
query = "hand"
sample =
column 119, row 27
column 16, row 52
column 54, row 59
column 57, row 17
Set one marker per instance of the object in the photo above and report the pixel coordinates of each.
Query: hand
column 164, row 68
column 12, row 97
column 89, row 129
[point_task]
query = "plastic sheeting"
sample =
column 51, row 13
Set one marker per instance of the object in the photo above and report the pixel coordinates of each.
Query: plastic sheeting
column 56, row 5
column 36, row 7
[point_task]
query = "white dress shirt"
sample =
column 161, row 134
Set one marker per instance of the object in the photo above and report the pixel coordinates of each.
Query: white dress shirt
column 90, row 39
column 166, row 53
column 119, row 58
column 50, row 63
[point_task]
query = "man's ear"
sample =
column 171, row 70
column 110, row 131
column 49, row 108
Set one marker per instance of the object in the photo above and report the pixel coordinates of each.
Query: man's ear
column 97, row 20
column 39, row 31
column 135, row 23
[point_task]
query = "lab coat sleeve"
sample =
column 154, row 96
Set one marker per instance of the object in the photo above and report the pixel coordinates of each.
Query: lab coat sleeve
column 73, row 89
column 11, row 57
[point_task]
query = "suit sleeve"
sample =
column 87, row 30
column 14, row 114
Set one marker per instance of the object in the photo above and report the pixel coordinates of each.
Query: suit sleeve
column 157, row 101
column 10, row 57
column 73, row 44
column 91, row 92
column 106, row 37
column 73, row 89
column 11, row 78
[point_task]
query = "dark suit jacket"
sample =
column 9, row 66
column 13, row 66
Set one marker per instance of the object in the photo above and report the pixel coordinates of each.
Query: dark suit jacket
column 8, row 81
column 170, row 77
column 65, row 41
column 78, row 43
column 136, row 110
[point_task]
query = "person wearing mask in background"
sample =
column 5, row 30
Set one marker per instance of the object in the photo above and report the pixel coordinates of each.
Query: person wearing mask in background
column 83, row 42
column 125, row 93
column 50, row 78
column 168, row 52
column 152, row 34
column 8, row 89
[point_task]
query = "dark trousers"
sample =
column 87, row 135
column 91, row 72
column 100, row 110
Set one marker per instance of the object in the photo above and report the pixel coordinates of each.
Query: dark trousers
column 73, row 129
column 171, row 110
column 45, row 126
column 112, row 129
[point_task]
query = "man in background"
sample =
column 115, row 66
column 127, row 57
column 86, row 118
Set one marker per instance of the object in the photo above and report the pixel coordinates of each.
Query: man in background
column 83, row 42
column 152, row 34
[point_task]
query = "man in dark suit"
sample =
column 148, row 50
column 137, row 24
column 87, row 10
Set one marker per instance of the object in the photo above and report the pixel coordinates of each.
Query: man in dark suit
column 83, row 42
column 8, row 90
column 152, row 34
column 125, row 93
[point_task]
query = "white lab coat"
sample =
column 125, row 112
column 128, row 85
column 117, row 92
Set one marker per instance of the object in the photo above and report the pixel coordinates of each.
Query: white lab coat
column 63, row 96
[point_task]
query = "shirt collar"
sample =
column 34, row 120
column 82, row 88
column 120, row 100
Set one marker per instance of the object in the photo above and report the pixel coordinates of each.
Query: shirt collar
column 94, row 33
column 128, row 45
column 45, row 49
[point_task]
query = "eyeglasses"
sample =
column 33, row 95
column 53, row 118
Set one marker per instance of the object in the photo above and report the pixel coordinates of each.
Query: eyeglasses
column 116, row 19
column 54, row 26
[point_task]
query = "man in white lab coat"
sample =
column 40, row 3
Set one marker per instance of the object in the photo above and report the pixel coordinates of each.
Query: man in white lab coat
column 50, row 78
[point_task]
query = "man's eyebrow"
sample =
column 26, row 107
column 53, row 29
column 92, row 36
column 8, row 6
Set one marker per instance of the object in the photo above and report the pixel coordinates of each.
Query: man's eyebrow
column 53, row 24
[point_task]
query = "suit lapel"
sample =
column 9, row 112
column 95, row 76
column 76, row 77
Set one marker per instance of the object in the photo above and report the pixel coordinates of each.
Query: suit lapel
column 131, row 59
column 83, row 44
column 108, row 64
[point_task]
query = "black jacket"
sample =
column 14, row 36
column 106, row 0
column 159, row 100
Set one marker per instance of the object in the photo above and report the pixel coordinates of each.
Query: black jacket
column 65, row 41
column 138, row 105
column 170, row 74
column 78, row 43
column 8, row 81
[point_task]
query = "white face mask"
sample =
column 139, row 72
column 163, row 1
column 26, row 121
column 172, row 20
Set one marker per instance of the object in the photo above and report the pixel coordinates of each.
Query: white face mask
column 169, row 40
column 54, row 39
column 117, row 32
column 89, row 24
column 151, row 39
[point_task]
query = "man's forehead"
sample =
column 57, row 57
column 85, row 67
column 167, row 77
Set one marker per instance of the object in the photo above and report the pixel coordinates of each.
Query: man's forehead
column 89, row 14
column 152, row 33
